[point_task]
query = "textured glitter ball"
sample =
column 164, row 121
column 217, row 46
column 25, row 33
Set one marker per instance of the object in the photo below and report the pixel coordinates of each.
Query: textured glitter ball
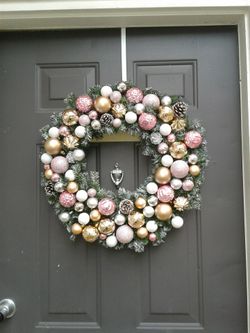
column 84, row 103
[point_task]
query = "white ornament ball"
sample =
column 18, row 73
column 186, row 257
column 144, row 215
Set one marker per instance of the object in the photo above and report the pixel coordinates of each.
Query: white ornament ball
column 106, row 91
column 152, row 101
column 148, row 211
column 167, row 160
column 151, row 226
column 92, row 203
column 152, row 188
column 139, row 108
column 176, row 183
column 165, row 129
column 81, row 195
column 111, row 241
column 64, row 217
column 130, row 117
column 83, row 218
column 46, row 158
column 152, row 200
column 96, row 125
column 120, row 219
column 117, row 122
column 166, row 101
column 69, row 175
column 177, row 222
column 80, row 131
column 124, row 234
column 78, row 154
column 54, row 132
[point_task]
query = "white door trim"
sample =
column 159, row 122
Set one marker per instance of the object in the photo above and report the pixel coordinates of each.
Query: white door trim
column 66, row 14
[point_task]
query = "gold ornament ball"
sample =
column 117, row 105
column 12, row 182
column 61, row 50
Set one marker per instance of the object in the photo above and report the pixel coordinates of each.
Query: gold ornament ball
column 163, row 211
column 194, row 170
column 70, row 117
column 72, row 187
column 106, row 226
column 71, row 142
column 90, row 233
column 140, row 203
column 142, row 233
column 48, row 174
column 95, row 215
column 166, row 114
column 52, row 146
column 178, row 150
column 102, row 104
column 162, row 175
column 76, row 229
column 136, row 220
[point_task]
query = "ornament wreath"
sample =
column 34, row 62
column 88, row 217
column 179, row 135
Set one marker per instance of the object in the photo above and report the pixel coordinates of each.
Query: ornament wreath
column 125, row 219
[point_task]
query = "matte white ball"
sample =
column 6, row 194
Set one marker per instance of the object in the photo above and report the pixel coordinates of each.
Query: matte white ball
column 130, row 117
column 117, row 122
column 92, row 203
column 120, row 219
column 54, row 132
column 167, row 160
column 78, row 154
column 152, row 188
column 80, row 131
column 139, row 108
column 176, row 183
column 177, row 222
column 124, row 234
column 106, row 91
column 111, row 241
column 83, row 218
column 165, row 129
column 81, row 195
column 46, row 158
column 64, row 217
column 151, row 226
column 148, row 211
column 166, row 101
column 69, row 175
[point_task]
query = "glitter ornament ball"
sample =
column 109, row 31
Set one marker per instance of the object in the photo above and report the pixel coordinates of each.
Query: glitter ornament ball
column 165, row 193
column 178, row 150
column 102, row 104
column 120, row 219
column 90, row 234
column 147, row 121
column 46, row 158
column 111, row 241
column 165, row 129
column 151, row 101
column 124, row 234
column 136, row 220
column 188, row 185
column 162, row 148
column 106, row 206
column 166, row 114
column 115, row 96
column 130, row 117
column 193, row 139
column 166, row 100
column 64, row 217
column 152, row 188
column 106, row 226
column 81, row 195
column 106, row 91
column 155, row 138
column 167, row 160
column 67, row 199
column 152, row 226
column 59, row 164
column 179, row 169
column 54, row 132
column 84, row 103
column 177, row 222
column 52, row 146
column 83, row 218
column 84, row 120
column 134, row 95
column 80, row 131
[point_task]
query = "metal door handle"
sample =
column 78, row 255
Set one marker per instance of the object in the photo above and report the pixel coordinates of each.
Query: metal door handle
column 7, row 309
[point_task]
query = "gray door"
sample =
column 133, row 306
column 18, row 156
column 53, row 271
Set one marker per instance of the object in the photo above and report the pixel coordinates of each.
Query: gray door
column 196, row 281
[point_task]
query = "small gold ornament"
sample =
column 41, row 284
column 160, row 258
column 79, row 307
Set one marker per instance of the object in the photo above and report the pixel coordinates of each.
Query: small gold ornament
column 142, row 233
column 178, row 124
column 166, row 114
column 140, row 203
column 178, row 150
column 163, row 211
column 52, row 146
column 119, row 110
column 102, row 104
column 70, row 117
column 95, row 215
column 136, row 220
column 106, row 226
column 71, row 142
column 90, row 233
column 72, row 187
column 162, row 175
column 181, row 203
column 76, row 229
column 195, row 170
column 48, row 173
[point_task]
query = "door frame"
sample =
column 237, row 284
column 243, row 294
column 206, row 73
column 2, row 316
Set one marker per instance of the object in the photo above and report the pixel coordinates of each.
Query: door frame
column 67, row 14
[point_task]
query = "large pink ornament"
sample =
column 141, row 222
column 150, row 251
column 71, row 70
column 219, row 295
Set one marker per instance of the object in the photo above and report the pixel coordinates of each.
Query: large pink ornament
column 193, row 139
column 59, row 164
column 124, row 234
column 64, row 131
column 84, row 120
column 151, row 101
column 84, row 103
column 67, row 199
column 147, row 121
column 179, row 169
column 134, row 95
column 106, row 206
column 165, row 193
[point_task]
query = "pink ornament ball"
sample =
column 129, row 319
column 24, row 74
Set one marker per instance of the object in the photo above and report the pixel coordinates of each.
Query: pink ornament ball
column 106, row 206
column 67, row 199
column 84, row 103
column 93, row 115
column 171, row 138
column 115, row 96
column 151, row 101
column 179, row 169
column 84, row 120
column 188, row 185
column 59, row 164
column 124, row 234
column 46, row 166
column 55, row 177
column 64, row 131
column 152, row 237
column 91, row 192
column 162, row 148
column 147, row 121
column 134, row 95
column 193, row 139
column 102, row 236
column 165, row 193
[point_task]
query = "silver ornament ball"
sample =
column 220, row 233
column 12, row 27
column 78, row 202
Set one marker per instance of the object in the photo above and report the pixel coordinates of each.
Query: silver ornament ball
column 64, row 217
column 156, row 138
column 59, row 187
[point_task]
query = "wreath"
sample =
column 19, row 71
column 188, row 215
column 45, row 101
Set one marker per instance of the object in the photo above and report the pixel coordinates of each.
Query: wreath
column 124, row 219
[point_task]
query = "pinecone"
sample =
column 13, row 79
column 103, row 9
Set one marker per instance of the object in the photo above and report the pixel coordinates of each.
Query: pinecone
column 126, row 206
column 49, row 188
column 180, row 109
column 106, row 119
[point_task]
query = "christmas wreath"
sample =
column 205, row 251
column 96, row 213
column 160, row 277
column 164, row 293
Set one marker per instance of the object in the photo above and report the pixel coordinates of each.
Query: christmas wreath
column 124, row 219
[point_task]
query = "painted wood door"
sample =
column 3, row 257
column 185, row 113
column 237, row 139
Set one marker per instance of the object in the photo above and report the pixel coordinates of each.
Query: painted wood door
column 194, row 282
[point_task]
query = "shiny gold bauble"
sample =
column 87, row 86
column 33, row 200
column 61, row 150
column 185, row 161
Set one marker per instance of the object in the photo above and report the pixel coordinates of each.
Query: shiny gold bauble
column 71, row 142
column 195, row 170
column 178, row 150
column 52, row 146
column 162, row 175
column 69, row 117
column 95, row 215
column 119, row 110
column 72, row 187
column 136, row 220
column 140, row 203
column 102, row 104
column 76, row 229
column 163, row 211
column 181, row 203
column 48, row 173
column 178, row 124
column 142, row 233
column 106, row 226
column 166, row 114
column 90, row 233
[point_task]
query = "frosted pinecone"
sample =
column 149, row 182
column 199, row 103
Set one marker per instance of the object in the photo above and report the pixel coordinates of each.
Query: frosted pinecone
column 49, row 188
column 106, row 119
column 180, row 109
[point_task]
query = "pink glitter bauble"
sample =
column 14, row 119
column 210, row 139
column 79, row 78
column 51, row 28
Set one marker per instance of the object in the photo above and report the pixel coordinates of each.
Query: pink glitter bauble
column 165, row 193
column 162, row 148
column 84, row 120
column 93, row 115
column 84, row 103
column 152, row 237
column 106, row 206
column 188, row 185
column 67, row 199
column 134, row 95
column 193, row 139
column 64, row 131
column 171, row 138
column 91, row 192
column 179, row 169
column 59, row 164
column 147, row 121
column 55, row 177
column 124, row 234
column 115, row 96
column 151, row 101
